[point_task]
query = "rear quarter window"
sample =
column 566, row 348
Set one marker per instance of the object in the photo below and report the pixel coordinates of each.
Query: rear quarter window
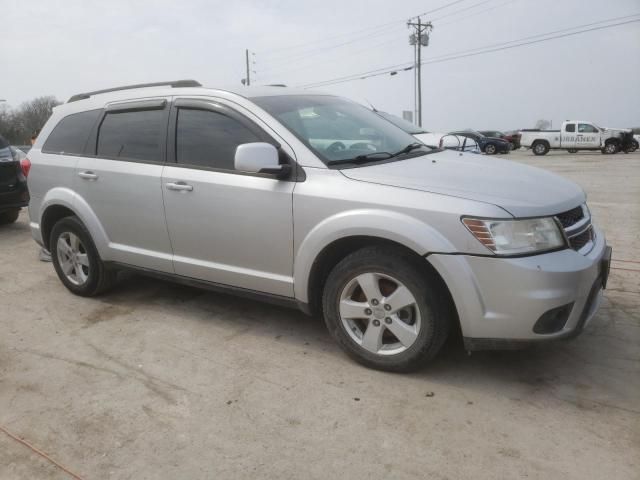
column 70, row 135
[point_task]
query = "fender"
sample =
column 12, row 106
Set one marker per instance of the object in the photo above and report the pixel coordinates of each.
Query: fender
column 388, row 225
column 78, row 205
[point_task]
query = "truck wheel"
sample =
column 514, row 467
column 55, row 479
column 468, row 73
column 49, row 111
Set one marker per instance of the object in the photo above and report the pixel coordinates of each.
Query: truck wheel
column 634, row 146
column 610, row 148
column 573, row 150
column 76, row 260
column 540, row 148
column 9, row 217
column 384, row 311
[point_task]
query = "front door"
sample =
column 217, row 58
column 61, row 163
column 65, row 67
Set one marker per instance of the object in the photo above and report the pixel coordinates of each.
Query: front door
column 225, row 226
column 120, row 181
column 588, row 136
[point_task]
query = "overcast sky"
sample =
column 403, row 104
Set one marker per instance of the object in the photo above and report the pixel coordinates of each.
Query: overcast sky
column 64, row 47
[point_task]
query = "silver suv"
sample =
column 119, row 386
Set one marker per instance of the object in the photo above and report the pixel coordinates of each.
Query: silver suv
column 314, row 201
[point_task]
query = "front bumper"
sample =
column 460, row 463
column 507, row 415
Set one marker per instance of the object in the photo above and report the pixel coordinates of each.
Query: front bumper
column 500, row 300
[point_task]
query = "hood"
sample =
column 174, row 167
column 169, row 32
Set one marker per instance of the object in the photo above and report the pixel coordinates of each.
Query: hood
column 617, row 130
column 521, row 190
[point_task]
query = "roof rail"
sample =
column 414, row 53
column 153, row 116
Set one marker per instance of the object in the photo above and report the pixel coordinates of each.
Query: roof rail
column 173, row 84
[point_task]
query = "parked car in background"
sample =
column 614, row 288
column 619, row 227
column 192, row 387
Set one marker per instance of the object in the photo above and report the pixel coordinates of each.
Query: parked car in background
column 430, row 139
column 312, row 201
column 488, row 145
column 14, row 167
column 458, row 143
column 18, row 153
column 576, row 135
column 512, row 137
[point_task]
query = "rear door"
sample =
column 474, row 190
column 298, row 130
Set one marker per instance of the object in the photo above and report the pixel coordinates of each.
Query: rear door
column 225, row 226
column 588, row 136
column 120, row 180
column 568, row 136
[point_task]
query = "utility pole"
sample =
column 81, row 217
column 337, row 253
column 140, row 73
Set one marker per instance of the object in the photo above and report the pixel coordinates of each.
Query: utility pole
column 248, row 70
column 419, row 39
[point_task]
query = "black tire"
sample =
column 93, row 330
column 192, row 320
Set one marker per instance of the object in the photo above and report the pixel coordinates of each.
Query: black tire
column 634, row 146
column 490, row 149
column 9, row 216
column 610, row 148
column 540, row 148
column 100, row 278
column 573, row 150
column 432, row 301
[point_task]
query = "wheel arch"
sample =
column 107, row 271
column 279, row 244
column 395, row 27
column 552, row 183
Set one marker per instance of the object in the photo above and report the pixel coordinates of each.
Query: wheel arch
column 338, row 236
column 63, row 202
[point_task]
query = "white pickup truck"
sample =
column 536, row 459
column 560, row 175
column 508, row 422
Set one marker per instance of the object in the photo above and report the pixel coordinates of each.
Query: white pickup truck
column 576, row 135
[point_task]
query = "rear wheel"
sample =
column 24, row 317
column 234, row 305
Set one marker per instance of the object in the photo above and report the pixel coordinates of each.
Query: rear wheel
column 540, row 148
column 10, row 216
column 634, row 146
column 384, row 311
column 76, row 259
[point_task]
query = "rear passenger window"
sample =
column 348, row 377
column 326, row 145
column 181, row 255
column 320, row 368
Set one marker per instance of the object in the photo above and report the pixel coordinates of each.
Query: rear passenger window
column 209, row 139
column 571, row 127
column 135, row 135
column 71, row 133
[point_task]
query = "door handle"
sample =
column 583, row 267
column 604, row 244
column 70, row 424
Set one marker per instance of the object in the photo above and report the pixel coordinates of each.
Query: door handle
column 88, row 175
column 179, row 186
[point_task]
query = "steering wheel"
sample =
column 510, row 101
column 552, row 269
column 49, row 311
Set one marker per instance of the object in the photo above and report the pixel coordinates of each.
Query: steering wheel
column 363, row 146
column 336, row 147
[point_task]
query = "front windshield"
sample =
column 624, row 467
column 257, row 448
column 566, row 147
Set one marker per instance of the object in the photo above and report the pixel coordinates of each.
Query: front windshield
column 337, row 129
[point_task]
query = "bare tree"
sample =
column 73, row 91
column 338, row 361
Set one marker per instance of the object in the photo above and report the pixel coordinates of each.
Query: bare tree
column 543, row 124
column 19, row 125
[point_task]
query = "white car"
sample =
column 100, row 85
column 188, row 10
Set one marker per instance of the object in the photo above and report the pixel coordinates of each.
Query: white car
column 431, row 139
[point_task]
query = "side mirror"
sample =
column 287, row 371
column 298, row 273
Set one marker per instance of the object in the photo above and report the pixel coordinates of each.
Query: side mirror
column 260, row 157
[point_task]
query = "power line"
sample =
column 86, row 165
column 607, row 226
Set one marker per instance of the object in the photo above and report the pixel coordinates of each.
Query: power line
column 461, row 10
column 530, row 37
column 450, row 4
column 318, row 51
column 456, row 20
column 375, row 27
column 454, row 56
column 270, row 69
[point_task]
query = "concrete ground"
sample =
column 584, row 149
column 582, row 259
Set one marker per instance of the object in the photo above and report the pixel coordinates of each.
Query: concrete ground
column 157, row 380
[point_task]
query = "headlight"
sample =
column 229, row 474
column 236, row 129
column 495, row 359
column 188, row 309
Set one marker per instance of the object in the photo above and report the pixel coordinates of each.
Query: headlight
column 513, row 237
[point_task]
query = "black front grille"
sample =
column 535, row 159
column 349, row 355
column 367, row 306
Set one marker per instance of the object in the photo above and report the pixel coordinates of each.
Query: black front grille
column 581, row 240
column 570, row 217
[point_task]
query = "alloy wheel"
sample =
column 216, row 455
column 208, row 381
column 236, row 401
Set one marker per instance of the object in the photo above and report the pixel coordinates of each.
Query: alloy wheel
column 379, row 313
column 73, row 258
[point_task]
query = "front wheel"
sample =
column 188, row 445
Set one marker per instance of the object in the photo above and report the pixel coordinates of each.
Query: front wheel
column 76, row 259
column 384, row 311
column 610, row 149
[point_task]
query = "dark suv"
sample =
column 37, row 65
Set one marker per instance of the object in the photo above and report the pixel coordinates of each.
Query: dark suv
column 488, row 145
column 13, row 183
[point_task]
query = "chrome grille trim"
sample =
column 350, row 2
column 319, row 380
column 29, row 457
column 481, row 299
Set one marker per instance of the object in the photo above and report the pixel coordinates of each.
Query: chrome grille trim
column 575, row 232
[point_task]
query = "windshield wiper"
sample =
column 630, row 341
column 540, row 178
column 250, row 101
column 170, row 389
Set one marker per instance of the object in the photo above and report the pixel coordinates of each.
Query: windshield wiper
column 376, row 155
